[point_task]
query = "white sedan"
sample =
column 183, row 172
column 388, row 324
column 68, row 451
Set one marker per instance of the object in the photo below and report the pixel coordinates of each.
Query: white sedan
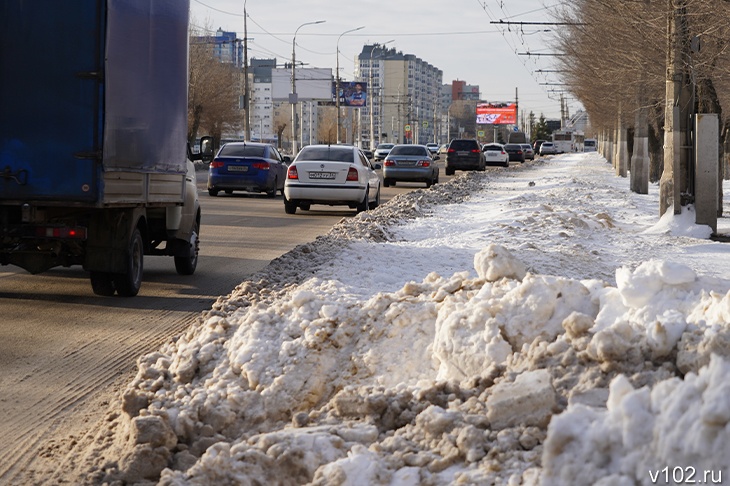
column 334, row 175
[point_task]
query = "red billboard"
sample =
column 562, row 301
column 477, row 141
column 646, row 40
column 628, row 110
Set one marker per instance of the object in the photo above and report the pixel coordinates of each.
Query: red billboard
column 497, row 113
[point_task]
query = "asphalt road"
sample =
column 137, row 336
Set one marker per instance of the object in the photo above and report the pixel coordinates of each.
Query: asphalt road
column 66, row 353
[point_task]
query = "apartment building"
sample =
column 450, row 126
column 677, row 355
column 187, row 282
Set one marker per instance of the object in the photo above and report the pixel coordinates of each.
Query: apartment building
column 404, row 97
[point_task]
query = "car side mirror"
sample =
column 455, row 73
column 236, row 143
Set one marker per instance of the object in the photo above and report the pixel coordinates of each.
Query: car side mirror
column 377, row 167
column 286, row 159
column 206, row 148
column 436, row 157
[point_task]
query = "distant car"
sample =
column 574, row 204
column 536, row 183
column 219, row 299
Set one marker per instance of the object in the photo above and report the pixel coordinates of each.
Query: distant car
column 433, row 148
column 443, row 149
column 590, row 145
column 368, row 153
column 495, row 154
column 382, row 150
column 464, row 154
column 334, row 175
column 247, row 166
column 536, row 145
column 529, row 152
column 548, row 148
column 410, row 163
column 515, row 152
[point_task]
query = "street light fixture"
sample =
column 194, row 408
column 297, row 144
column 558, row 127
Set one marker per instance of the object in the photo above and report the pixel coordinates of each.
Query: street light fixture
column 293, row 97
column 372, row 97
column 337, row 79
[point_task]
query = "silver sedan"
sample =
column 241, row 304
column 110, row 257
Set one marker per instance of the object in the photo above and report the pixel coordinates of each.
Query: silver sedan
column 410, row 163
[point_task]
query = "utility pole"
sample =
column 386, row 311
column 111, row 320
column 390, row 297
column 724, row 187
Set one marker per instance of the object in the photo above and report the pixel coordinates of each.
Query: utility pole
column 246, row 100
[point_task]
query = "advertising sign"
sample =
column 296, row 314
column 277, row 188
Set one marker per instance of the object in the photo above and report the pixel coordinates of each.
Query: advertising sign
column 312, row 84
column 352, row 93
column 497, row 113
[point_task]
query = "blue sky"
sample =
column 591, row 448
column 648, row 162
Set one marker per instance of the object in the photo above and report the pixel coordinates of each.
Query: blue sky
column 456, row 37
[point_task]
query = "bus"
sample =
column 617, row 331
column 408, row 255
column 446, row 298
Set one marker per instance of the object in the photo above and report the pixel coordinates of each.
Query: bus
column 568, row 140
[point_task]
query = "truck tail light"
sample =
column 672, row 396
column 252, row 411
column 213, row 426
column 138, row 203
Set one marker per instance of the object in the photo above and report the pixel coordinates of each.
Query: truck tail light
column 62, row 232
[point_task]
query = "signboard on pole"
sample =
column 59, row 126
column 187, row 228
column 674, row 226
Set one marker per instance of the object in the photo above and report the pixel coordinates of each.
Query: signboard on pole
column 352, row 93
column 497, row 113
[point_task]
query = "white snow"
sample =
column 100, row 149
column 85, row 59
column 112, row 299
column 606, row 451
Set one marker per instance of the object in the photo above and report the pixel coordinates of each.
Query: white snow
column 536, row 325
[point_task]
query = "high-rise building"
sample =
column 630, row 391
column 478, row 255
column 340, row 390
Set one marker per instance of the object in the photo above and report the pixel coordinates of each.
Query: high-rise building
column 404, row 94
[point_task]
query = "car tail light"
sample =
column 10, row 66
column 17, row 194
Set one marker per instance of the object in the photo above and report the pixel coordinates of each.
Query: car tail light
column 475, row 151
column 292, row 173
column 261, row 165
column 388, row 163
column 451, row 151
column 216, row 164
column 519, row 152
column 352, row 174
column 424, row 163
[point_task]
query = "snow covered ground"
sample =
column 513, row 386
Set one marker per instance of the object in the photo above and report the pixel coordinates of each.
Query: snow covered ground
column 533, row 325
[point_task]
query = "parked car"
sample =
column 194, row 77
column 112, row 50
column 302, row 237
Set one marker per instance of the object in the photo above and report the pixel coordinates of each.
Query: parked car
column 433, row 148
column 536, row 145
column 464, row 154
column 529, row 152
column 382, row 150
column 247, row 166
column 495, row 154
column 590, row 145
column 515, row 152
column 334, row 175
column 548, row 148
column 410, row 163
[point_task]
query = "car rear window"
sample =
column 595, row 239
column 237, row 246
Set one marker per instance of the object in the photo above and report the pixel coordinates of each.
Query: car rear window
column 512, row 147
column 408, row 150
column 329, row 154
column 464, row 145
column 242, row 151
column 492, row 147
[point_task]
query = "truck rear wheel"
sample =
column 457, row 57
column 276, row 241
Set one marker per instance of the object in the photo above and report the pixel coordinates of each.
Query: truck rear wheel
column 102, row 283
column 185, row 265
column 129, row 283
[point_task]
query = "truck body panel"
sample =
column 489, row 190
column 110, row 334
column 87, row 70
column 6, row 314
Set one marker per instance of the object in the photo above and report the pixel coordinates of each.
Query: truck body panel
column 94, row 97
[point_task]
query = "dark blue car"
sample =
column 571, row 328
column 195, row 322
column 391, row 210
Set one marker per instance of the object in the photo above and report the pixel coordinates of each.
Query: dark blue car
column 247, row 166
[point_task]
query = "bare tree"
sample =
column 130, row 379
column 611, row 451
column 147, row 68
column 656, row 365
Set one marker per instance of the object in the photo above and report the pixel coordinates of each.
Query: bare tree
column 212, row 92
column 327, row 125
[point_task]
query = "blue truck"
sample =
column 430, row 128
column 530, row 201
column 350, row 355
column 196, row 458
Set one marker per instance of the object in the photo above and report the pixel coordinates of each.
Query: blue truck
column 95, row 167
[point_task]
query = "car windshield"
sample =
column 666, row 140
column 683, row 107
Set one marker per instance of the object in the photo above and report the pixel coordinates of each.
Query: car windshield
column 385, row 146
column 329, row 154
column 408, row 150
column 242, row 151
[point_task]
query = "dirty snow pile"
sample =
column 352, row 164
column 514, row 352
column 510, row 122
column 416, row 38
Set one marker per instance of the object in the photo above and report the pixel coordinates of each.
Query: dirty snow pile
column 537, row 325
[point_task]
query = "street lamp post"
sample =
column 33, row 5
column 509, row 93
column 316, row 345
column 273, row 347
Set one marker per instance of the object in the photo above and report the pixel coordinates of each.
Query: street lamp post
column 337, row 79
column 293, row 98
column 372, row 96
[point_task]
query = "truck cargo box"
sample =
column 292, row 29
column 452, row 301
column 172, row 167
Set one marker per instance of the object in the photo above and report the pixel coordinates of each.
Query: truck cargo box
column 93, row 102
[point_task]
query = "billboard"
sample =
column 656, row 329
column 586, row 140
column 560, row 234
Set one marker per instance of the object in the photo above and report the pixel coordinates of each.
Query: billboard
column 352, row 93
column 312, row 84
column 497, row 113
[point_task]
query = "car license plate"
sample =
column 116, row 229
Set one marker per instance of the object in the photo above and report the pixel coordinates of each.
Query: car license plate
column 322, row 175
column 237, row 168
column 463, row 152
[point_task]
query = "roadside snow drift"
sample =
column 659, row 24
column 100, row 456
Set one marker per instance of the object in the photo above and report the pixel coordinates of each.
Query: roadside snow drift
column 485, row 331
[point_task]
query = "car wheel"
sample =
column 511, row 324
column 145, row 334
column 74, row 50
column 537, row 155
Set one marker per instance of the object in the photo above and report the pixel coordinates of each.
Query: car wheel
column 375, row 203
column 272, row 192
column 429, row 183
column 386, row 182
column 436, row 180
column 102, row 283
column 290, row 207
column 363, row 205
column 449, row 171
column 213, row 192
column 129, row 282
column 305, row 206
column 229, row 191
